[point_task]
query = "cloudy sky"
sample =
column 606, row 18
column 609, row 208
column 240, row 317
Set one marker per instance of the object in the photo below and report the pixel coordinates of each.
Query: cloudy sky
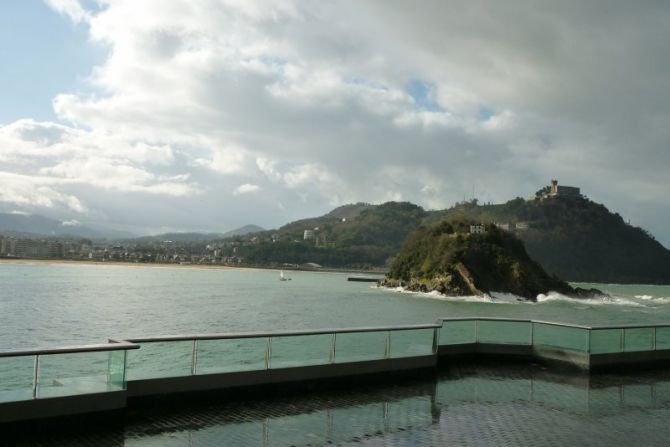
column 209, row 114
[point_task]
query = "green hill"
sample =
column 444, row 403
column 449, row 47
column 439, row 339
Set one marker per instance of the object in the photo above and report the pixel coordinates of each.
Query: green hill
column 445, row 257
column 570, row 237
column 576, row 239
column 368, row 236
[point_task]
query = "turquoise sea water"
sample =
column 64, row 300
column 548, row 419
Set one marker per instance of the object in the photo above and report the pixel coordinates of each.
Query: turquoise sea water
column 48, row 305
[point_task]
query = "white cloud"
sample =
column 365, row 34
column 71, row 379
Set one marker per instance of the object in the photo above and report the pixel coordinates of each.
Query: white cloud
column 320, row 103
column 32, row 192
column 71, row 223
column 246, row 188
column 225, row 160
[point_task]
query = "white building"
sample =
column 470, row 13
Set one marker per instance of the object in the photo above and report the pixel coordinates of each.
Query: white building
column 477, row 229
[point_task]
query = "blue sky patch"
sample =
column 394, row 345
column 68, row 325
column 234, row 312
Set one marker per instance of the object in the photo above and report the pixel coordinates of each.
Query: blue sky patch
column 424, row 95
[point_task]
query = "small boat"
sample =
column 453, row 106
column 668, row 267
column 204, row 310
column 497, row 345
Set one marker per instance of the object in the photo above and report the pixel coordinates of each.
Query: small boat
column 282, row 277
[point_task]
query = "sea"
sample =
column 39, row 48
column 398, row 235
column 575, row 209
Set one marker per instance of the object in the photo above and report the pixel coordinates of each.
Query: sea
column 46, row 305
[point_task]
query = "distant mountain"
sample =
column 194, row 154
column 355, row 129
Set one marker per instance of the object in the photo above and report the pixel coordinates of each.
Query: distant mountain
column 33, row 225
column 197, row 237
column 349, row 211
column 243, row 231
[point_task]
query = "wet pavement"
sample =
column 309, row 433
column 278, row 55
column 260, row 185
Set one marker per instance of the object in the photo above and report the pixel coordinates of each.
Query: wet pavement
column 482, row 404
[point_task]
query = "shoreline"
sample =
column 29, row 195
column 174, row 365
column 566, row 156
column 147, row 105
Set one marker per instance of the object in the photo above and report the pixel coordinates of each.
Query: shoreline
column 86, row 262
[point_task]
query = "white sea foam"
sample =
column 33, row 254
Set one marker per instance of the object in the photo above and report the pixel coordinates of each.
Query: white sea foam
column 594, row 301
column 496, row 297
column 638, row 301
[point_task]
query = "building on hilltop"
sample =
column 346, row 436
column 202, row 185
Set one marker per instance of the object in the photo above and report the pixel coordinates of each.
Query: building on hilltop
column 563, row 191
column 556, row 190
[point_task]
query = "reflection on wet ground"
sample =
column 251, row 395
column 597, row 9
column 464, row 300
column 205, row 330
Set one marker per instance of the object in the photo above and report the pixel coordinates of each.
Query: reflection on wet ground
column 482, row 404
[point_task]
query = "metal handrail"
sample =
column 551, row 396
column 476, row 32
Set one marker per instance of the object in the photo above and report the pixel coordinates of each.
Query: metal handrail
column 519, row 320
column 631, row 326
column 237, row 335
column 101, row 347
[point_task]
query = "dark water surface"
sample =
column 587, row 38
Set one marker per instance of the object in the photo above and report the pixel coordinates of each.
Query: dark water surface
column 464, row 404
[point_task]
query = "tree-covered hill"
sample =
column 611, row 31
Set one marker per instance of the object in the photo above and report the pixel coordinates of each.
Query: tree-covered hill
column 368, row 236
column 445, row 257
column 576, row 239
column 572, row 238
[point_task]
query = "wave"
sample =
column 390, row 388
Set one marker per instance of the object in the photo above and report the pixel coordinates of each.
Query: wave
column 639, row 301
column 494, row 297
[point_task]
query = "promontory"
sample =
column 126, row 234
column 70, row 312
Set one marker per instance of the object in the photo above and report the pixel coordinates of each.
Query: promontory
column 463, row 258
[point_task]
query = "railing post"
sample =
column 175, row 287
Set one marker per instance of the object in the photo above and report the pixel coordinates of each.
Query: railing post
column 268, row 354
column 532, row 333
column 124, row 376
column 476, row 331
column 36, row 372
column 332, row 348
column 387, row 348
column 194, row 357
column 653, row 339
column 622, row 340
column 436, row 340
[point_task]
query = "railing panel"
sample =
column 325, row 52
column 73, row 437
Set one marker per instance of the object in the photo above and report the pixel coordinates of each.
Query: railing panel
column 606, row 341
column 160, row 359
column 412, row 343
column 564, row 337
column 117, row 368
column 302, row 350
column 16, row 378
column 221, row 356
column 360, row 346
column 663, row 338
column 504, row 332
column 639, row 339
column 458, row 332
column 73, row 374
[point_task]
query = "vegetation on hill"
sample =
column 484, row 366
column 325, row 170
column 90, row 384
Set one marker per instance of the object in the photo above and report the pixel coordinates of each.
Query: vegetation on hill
column 368, row 237
column 572, row 238
column 576, row 239
column 445, row 257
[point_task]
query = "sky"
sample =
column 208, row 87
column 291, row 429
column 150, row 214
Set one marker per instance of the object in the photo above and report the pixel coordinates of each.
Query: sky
column 207, row 115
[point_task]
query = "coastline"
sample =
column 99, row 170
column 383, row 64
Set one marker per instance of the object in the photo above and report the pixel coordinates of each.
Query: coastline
column 26, row 261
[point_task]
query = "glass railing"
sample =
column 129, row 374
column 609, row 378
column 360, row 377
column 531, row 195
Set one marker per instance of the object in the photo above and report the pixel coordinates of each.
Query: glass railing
column 179, row 356
column 562, row 336
column 617, row 339
column 38, row 374
column 46, row 373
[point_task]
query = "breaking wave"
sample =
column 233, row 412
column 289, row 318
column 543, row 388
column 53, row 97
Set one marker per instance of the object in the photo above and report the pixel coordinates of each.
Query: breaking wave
column 640, row 301
column 594, row 301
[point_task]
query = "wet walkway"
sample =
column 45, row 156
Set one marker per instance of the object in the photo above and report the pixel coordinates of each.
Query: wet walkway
column 471, row 404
